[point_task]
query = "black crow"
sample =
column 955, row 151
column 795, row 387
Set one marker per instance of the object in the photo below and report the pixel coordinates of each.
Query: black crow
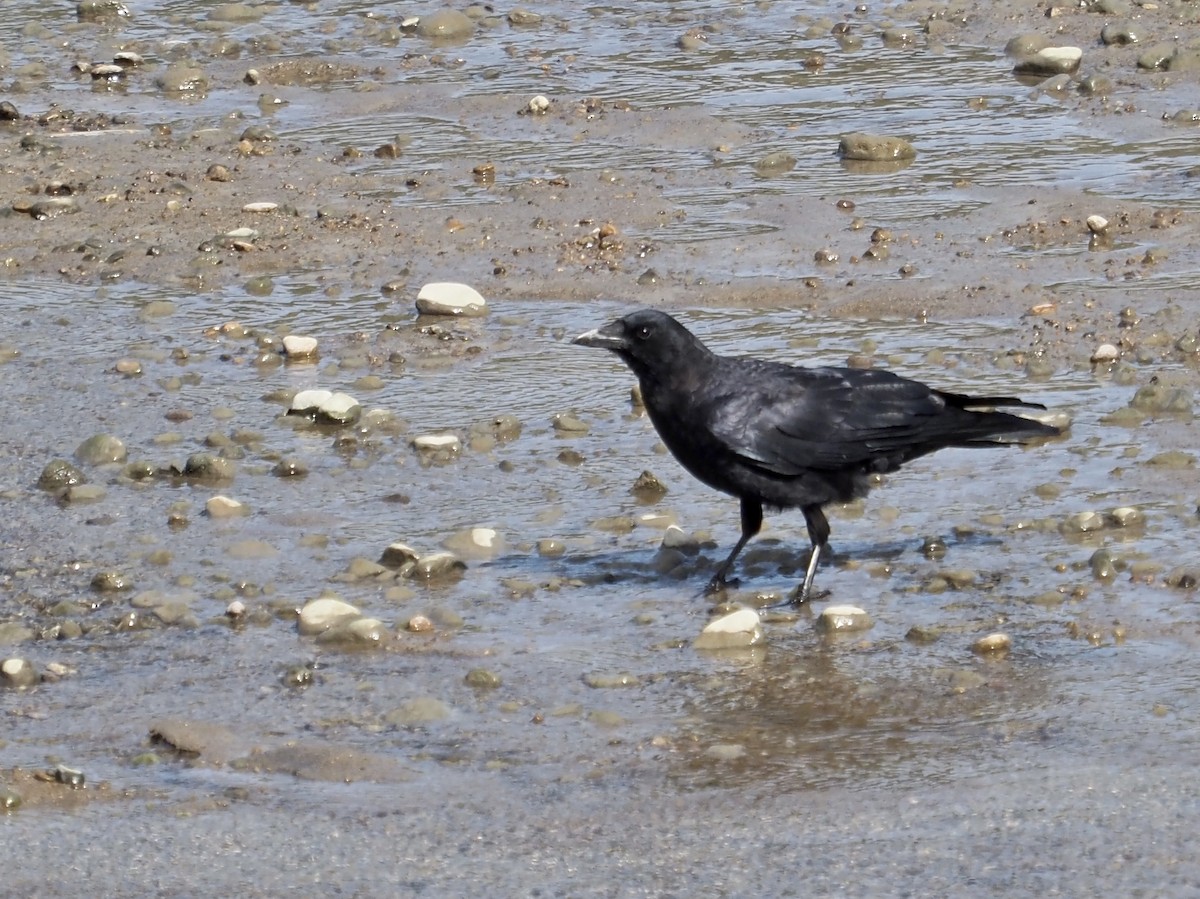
column 782, row 436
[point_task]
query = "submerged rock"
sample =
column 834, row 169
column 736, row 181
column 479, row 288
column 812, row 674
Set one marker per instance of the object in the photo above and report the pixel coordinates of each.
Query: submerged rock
column 101, row 449
column 398, row 555
column 224, row 507
column 207, row 467
column 864, row 147
column 357, row 633
column 421, row 710
column 60, row 474
column 438, row 566
column 18, row 673
column 476, row 543
column 992, row 645
column 445, row 24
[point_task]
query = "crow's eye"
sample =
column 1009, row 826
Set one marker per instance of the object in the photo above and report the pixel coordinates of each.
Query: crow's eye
column 643, row 332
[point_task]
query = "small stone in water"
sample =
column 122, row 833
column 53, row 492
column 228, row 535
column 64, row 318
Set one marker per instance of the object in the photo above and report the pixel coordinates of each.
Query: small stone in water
column 1104, row 353
column 436, row 566
column 308, row 400
column 874, row 148
column 224, row 507
column 447, row 443
column 339, row 409
column 450, row 298
column 1097, row 224
column 1050, row 61
column 397, row 555
column 18, row 673
column 844, row 619
column 296, row 346
column 933, row 548
column 538, row 104
column 992, row 644
column 476, row 543
column 59, row 474
column 737, row 630
column 565, row 423
column 482, row 679
column 648, row 488
column 101, row 449
column 356, row 633
column 323, row 613
column 1127, row 517
column 419, row 624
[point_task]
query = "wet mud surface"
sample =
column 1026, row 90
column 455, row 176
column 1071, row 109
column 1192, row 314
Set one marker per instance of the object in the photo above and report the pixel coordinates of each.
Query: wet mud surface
column 541, row 723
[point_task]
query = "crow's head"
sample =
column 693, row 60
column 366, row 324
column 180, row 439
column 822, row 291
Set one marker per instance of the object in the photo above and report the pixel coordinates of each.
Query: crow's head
column 650, row 342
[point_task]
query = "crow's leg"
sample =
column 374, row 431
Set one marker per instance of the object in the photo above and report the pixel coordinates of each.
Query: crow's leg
column 752, row 519
column 818, row 533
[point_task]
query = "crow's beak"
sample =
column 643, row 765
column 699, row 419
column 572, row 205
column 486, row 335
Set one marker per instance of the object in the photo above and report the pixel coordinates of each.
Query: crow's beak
column 610, row 337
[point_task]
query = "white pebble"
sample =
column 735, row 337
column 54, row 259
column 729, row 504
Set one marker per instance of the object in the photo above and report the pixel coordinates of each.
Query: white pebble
column 1106, row 352
column 19, row 672
column 1127, row 517
column 844, row 619
column 437, row 442
column 323, row 613
column 309, row 400
column 340, row 408
column 475, row 543
column 260, row 207
column 1097, row 224
column 224, row 507
column 450, row 298
column 737, row 630
column 295, row 345
column 539, row 104
column 992, row 644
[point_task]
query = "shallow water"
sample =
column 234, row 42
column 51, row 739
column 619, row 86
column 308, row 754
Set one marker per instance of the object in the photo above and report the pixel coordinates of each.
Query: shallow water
column 866, row 763
column 874, row 714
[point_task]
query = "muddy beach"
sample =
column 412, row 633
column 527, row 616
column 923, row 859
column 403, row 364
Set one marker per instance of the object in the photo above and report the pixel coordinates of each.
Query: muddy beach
column 444, row 640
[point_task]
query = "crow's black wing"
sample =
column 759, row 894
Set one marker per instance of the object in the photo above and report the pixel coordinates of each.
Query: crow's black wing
column 786, row 420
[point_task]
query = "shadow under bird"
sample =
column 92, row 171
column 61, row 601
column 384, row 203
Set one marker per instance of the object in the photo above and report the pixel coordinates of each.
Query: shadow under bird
column 784, row 436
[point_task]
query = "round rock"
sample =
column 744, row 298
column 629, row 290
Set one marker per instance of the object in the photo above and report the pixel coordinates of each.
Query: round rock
column 101, row 449
column 307, row 401
column 224, row 507
column 321, row 614
column 737, row 630
column 1050, row 61
column 298, row 347
column 18, row 673
column 475, row 543
column 446, row 25
column 450, row 298
column 844, row 619
column 339, row 409
column 992, row 645
column 864, row 147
